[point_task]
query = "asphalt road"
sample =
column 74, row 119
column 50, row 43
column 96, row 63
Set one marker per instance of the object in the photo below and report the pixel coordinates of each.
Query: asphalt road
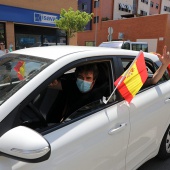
column 156, row 164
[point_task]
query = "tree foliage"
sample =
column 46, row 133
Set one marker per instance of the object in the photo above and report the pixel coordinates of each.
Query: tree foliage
column 73, row 21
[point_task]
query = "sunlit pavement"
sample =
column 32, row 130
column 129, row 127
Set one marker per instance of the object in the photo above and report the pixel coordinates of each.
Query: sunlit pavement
column 156, row 164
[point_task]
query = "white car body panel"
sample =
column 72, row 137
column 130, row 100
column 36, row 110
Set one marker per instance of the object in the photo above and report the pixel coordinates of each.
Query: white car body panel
column 146, row 133
column 72, row 144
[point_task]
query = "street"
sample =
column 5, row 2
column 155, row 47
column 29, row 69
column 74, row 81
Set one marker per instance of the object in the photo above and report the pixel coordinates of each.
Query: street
column 156, row 164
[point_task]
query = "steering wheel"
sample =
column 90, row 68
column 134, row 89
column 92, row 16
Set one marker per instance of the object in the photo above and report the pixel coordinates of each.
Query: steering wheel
column 38, row 114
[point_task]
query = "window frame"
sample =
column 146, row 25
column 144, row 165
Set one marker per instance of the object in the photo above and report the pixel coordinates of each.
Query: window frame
column 96, row 4
column 58, row 73
column 96, row 19
column 157, row 6
column 155, row 67
column 151, row 4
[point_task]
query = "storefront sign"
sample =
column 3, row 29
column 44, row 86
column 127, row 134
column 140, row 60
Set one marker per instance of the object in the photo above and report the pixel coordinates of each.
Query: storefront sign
column 44, row 18
column 22, row 15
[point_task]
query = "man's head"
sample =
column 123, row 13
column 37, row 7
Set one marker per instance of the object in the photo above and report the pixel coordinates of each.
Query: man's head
column 2, row 46
column 86, row 77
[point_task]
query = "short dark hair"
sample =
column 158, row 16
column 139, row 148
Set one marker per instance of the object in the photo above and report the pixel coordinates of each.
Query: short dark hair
column 86, row 68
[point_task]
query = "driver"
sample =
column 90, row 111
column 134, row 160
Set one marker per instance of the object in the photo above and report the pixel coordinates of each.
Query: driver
column 80, row 91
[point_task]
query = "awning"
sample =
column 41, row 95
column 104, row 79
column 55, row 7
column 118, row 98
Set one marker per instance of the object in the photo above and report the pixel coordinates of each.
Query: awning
column 128, row 16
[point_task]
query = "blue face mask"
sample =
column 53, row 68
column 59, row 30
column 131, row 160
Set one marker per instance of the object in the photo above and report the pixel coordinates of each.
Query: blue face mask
column 84, row 86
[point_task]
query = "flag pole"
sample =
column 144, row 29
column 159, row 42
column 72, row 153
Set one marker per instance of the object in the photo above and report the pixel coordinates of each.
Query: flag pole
column 123, row 77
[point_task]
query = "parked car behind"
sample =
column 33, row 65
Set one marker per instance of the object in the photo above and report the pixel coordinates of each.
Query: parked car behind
column 97, row 136
column 128, row 45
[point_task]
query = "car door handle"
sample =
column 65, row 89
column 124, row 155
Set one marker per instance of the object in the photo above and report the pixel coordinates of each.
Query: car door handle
column 167, row 100
column 115, row 130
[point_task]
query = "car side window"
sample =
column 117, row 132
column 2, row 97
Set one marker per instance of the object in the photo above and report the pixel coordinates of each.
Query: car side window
column 150, row 66
column 55, row 106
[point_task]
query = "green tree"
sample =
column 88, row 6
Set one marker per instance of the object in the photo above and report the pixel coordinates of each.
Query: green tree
column 73, row 21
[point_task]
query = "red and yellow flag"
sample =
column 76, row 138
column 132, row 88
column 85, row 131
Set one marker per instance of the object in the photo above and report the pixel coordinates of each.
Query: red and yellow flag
column 20, row 69
column 130, row 82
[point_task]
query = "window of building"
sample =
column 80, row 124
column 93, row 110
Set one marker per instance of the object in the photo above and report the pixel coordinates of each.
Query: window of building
column 31, row 36
column 96, row 19
column 127, row 8
column 89, row 43
column 122, row 7
column 165, row 8
column 143, row 13
column 2, row 33
column 151, row 4
column 84, row 6
column 96, row 4
column 157, row 6
column 144, row 1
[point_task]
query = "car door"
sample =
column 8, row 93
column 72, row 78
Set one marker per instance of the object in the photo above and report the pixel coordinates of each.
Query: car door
column 90, row 143
column 96, row 140
column 149, row 119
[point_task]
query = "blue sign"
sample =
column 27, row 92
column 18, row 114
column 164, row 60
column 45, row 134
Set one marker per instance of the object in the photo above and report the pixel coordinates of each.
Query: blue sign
column 44, row 18
column 22, row 15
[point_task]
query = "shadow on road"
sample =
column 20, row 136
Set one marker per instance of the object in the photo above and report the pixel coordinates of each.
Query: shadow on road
column 156, row 164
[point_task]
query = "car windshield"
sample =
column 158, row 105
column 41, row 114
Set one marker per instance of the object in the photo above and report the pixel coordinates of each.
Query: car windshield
column 16, row 70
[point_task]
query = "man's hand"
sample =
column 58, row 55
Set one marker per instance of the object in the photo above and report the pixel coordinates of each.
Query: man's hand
column 165, row 60
column 55, row 85
column 165, row 57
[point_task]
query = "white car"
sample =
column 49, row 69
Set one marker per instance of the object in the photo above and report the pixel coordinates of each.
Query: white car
column 34, row 134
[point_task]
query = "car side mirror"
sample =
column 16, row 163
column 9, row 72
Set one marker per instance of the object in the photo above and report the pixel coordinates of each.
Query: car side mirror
column 24, row 144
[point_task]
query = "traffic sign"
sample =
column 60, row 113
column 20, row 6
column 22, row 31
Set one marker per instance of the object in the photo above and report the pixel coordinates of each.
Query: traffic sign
column 110, row 30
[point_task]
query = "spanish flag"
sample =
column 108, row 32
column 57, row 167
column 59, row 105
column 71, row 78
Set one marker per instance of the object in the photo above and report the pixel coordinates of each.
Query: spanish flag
column 130, row 82
column 20, row 69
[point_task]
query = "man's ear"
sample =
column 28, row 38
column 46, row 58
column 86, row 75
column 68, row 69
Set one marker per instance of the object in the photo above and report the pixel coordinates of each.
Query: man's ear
column 93, row 82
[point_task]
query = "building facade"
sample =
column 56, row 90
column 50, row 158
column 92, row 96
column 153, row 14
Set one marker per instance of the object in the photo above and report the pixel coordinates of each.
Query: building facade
column 28, row 23
column 123, row 8
column 126, row 22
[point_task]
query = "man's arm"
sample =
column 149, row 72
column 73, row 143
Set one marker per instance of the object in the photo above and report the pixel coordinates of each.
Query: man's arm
column 165, row 60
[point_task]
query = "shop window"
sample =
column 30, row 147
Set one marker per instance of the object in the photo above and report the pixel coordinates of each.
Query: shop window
column 61, row 41
column 25, row 41
column 31, row 36
column 2, row 33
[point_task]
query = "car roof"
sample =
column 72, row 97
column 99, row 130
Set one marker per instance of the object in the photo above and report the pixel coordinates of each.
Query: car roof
column 55, row 52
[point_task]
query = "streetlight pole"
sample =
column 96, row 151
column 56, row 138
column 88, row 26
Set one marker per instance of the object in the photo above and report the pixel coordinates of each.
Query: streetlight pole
column 96, row 22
